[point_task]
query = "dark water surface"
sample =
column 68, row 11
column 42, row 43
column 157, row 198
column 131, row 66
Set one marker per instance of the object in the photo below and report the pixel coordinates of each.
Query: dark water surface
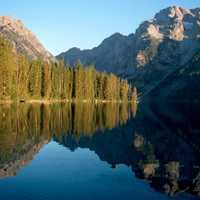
column 103, row 151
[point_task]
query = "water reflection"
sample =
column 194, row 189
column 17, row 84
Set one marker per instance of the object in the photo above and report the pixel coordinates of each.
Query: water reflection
column 170, row 145
column 25, row 128
column 160, row 144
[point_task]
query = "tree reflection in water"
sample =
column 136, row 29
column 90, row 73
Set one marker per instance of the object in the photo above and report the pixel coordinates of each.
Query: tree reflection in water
column 160, row 144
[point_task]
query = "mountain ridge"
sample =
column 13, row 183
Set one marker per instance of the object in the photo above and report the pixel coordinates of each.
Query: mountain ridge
column 22, row 39
column 157, row 47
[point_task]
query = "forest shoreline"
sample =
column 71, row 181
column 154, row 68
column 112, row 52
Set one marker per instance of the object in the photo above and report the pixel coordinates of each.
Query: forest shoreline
column 54, row 101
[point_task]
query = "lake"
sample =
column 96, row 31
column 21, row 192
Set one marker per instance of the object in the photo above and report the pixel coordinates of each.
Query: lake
column 100, row 151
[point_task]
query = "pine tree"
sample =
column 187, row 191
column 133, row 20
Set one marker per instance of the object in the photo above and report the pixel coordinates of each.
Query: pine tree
column 79, row 81
column 8, row 67
column 46, row 80
column 22, row 77
column 35, row 79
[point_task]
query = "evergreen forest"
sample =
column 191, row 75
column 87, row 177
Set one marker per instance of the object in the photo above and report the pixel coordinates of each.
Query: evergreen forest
column 23, row 79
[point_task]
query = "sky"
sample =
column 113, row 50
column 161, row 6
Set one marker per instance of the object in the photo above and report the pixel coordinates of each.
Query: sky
column 63, row 24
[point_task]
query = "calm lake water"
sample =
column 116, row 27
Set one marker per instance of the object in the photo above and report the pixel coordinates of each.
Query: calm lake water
column 107, row 151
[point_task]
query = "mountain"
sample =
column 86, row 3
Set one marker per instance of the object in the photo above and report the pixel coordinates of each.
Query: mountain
column 23, row 40
column 157, row 48
column 183, row 84
column 108, row 56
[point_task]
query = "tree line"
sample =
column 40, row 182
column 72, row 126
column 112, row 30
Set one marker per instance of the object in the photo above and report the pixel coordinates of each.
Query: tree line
column 24, row 79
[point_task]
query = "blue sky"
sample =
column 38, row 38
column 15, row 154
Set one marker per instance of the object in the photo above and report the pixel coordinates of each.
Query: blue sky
column 63, row 24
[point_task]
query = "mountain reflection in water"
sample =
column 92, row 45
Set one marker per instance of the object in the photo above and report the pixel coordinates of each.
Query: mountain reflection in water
column 25, row 128
column 160, row 143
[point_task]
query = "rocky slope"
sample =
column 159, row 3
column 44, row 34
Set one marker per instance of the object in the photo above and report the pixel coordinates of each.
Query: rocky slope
column 183, row 84
column 156, row 49
column 23, row 40
column 111, row 55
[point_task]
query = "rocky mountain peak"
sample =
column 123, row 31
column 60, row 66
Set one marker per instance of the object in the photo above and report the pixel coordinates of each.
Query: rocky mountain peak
column 22, row 38
column 13, row 23
column 173, row 22
column 175, row 12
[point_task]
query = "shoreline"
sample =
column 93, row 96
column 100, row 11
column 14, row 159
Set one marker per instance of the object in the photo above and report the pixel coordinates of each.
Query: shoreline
column 54, row 101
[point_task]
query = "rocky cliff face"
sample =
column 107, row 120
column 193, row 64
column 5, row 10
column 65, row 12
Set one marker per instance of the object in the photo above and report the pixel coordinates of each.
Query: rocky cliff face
column 165, row 43
column 182, row 84
column 156, row 49
column 23, row 40
column 111, row 55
